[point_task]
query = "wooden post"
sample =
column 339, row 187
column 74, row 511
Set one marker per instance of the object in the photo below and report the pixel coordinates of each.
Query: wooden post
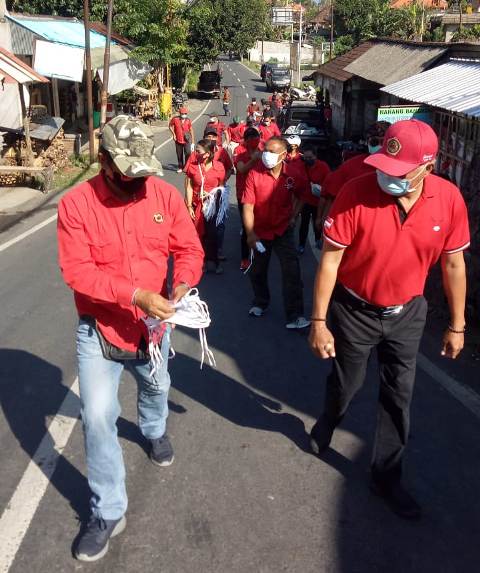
column 89, row 79
column 26, row 127
column 106, row 67
column 331, row 30
column 56, row 100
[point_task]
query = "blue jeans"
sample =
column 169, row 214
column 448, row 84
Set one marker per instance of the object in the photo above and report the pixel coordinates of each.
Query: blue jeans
column 99, row 380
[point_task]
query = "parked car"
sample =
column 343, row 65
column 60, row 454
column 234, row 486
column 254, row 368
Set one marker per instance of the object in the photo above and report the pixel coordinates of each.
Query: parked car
column 306, row 120
column 209, row 84
column 266, row 70
column 278, row 79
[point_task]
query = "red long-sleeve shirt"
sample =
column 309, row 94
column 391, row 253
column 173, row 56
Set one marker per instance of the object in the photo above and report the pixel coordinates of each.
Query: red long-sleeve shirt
column 108, row 248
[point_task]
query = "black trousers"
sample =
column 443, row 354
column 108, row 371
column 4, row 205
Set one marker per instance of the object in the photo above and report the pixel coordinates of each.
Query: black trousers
column 308, row 213
column 244, row 250
column 357, row 332
column 292, row 286
column 183, row 153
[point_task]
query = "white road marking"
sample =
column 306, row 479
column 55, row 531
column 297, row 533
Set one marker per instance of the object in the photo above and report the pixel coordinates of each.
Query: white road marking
column 23, row 504
column 11, row 242
column 465, row 395
column 239, row 79
column 247, row 96
column 243, row 86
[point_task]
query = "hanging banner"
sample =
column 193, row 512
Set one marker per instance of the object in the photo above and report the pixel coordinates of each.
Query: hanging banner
column 393, row 114
column 58, row 61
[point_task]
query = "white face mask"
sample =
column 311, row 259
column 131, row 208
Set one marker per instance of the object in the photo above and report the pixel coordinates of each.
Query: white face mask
column 183, row 116
column 270, row 160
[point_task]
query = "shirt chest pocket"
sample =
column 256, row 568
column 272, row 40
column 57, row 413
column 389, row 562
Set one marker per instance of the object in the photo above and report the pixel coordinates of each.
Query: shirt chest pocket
column 156, row 235
column 104, row 252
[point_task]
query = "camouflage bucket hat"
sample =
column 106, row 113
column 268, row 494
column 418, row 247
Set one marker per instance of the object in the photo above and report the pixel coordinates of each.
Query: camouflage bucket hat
column 131, row 147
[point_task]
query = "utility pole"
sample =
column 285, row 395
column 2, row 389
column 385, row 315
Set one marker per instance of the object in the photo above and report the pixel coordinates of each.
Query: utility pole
column 88, row 72
column 106, row 67
column 300, row 47
column 331, row 29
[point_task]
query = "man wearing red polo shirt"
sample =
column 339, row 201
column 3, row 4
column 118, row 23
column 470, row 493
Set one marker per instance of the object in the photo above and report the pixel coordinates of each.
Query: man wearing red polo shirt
column 268, row 128
column 116, row 233
column 268, row 216
column 384, row 233
column 182, row 133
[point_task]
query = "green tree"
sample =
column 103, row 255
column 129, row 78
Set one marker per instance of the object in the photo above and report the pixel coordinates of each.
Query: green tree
column 53, row 7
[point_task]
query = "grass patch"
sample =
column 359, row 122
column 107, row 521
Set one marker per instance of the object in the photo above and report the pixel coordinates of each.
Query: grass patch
column 73, row 174
column 252, row 65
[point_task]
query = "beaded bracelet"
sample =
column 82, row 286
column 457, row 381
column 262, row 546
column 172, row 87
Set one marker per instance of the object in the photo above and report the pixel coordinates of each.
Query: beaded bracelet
column 457, row 331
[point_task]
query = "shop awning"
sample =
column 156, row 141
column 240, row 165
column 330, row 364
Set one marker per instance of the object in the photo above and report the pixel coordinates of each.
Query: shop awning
column 454, row 86
column 15, row 71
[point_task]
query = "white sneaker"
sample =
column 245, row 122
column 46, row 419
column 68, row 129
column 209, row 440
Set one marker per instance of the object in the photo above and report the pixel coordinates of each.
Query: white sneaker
column 256, row 311
column 298, row 324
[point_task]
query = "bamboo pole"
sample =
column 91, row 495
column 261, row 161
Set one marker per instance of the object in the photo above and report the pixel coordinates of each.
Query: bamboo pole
column 89, row 80
column 106, row 67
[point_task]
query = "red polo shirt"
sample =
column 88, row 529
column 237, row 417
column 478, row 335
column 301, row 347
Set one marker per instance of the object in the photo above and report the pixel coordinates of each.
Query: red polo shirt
column 214, row 177
column 180, row 127
column 296, row 165
column 236, row 132
column 318, row 173
column 108, row 248
column 386, row 262
column 241, row 178
column 272, row 199
column 353, row 167
column 266, row 132
column 252, row 108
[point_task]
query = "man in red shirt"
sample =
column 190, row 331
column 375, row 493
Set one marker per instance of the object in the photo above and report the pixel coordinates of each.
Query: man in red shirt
column 353, row 167
column 269, row 218
column 116, row 233
column 220, row 128
column 247, row 157
column 253, row 107
column 182, row 133
column 235, row 133
column 316, row 172
column 268, row 128
column 385, row 231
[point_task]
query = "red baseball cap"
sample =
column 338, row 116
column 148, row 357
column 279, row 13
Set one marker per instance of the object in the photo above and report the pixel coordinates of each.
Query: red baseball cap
column 407, row 145
column 183, row 110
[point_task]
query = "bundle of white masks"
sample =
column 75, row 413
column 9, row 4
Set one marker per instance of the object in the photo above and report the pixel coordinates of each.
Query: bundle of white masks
column 191, row 312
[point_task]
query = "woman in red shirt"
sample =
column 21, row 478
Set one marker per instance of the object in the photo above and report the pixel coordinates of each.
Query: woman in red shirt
column 203, row 177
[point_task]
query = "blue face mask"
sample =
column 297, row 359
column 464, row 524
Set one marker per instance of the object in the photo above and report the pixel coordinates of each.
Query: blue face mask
column 374, row 148
column 395, row 186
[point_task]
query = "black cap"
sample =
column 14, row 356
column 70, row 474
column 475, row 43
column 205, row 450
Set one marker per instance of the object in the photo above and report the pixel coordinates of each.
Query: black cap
column 210, row 131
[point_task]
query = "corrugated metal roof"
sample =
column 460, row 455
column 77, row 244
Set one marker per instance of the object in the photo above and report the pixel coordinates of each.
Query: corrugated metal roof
column 388, row 62
column 454, row 86
column 17, row 71
column 62, row 31
column 336, row 68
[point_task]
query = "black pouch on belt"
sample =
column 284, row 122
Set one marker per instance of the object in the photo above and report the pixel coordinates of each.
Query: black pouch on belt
column 112, row 352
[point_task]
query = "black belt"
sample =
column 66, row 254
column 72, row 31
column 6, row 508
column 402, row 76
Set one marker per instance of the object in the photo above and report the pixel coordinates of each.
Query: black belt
column 343, row 295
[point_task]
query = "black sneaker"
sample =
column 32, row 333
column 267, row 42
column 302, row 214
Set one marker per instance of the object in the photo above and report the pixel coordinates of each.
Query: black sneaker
column 397, row 498
column 93, row 543
column 321, row 435
column 161, row 453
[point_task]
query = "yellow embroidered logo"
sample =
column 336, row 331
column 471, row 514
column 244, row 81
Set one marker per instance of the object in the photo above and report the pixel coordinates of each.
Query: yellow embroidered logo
column 393, row 146
column 158, row 218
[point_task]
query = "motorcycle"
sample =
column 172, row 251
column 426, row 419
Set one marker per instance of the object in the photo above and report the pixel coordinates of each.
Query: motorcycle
column 305, row 93
column 179, row 98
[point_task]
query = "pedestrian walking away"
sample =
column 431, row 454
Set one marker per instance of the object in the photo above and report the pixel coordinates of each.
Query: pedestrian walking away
column 269, row 220
column 116, row 233
column 226, row 101
column 401, row 218
column 247, row 157
column 182, row 134
column 203, row 182
column 351, row 168
column 316, row 171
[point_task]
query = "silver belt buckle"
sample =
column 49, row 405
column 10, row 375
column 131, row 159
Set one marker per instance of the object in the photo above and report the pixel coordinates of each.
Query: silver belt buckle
column 392, row 310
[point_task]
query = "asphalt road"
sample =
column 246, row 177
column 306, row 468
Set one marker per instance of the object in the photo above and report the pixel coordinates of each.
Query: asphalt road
column 244, row 495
